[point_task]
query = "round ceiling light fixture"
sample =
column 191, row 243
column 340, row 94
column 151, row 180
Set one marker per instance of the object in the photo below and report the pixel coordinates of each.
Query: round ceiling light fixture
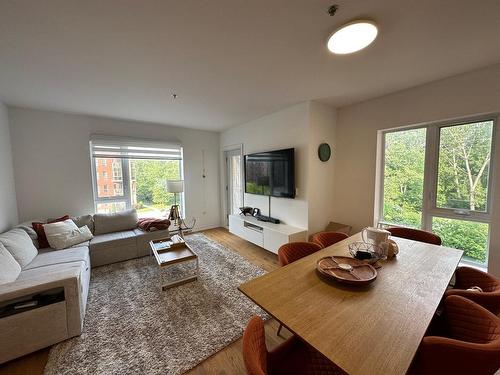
column 352, row 37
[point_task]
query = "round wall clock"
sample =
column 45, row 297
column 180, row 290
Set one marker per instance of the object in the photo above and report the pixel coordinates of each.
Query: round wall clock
column 324, row 152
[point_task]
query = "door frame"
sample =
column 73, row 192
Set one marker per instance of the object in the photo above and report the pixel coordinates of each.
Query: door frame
column 225, row 181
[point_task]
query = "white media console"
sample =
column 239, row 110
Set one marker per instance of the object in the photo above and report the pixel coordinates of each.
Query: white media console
column 267, row 235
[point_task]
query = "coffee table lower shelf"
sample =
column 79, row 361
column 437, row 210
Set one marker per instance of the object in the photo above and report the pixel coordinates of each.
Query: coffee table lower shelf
column 182, row 280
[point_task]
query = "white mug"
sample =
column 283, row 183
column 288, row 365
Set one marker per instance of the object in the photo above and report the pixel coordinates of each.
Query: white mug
column 375, row 236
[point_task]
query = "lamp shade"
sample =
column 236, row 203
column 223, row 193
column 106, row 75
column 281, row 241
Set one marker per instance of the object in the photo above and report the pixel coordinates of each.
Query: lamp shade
column 175, row 186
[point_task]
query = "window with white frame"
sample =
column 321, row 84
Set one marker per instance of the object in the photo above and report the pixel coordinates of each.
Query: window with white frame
column 437, row 177
column 132, row 173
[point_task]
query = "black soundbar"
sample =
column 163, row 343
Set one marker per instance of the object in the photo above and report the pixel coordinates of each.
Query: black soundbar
column 267, row 219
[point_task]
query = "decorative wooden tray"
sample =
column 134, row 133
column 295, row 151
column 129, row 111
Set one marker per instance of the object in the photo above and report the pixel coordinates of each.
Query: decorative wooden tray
column 163, row 245
column 346, row 270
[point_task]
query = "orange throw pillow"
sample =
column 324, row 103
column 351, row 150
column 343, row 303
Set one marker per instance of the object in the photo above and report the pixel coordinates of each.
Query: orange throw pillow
column 42, row 238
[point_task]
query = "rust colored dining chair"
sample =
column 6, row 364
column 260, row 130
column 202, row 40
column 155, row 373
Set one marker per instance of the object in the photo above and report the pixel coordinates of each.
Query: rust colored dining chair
column 293, row 251
column 471, row 344
column 290, row 252
column 325, row 239
column 416, row 235
column 467, row 277
column 291, row 357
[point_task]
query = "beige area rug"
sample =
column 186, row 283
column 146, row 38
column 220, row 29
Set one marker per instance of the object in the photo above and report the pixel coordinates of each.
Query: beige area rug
column 131, row 326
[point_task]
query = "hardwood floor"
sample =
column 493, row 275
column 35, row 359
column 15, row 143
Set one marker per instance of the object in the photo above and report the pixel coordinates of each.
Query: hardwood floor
column 228, row 361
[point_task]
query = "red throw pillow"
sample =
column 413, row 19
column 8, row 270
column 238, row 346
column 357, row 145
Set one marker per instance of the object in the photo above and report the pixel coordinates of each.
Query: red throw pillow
column 42, row 238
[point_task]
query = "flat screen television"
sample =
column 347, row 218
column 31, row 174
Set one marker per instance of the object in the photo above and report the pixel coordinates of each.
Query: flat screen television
column 271, row 173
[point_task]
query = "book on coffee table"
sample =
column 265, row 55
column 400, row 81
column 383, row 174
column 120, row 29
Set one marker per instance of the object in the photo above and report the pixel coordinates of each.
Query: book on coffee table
column 168, row 244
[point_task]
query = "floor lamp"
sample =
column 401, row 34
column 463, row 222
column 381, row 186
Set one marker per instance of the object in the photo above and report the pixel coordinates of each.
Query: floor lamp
column 176, row 187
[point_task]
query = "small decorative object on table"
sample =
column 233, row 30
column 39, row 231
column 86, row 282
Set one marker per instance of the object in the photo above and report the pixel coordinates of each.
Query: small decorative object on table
column 246, row 210
column 346, row 270
column 367, row 252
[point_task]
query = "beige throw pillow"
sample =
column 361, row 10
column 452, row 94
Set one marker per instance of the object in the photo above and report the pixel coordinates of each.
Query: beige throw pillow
column 65, row 234
column 9, row 268
column 19, row 244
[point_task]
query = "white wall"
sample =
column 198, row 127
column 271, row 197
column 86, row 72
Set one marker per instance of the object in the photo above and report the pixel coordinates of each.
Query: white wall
column 53, row 171
column 284, row 129
column 8, row 206
column 303, row 126
column 321, row 175
column 465, row 95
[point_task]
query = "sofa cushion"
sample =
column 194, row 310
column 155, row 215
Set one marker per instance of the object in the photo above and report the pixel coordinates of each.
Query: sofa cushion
column 42, row 273
column 27, row 226
column 120, row 221
column 9, row 268
column 83, row 220
column 64, row 234
column 143, row 239
column 69, row 239
column 19, row 244
column 53, row 257
column 115, row 239
column 83, row 244
column 113, row 247
column 40, row 231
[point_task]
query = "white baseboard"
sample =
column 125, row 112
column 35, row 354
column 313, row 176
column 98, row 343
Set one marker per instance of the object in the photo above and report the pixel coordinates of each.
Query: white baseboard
column 206, row 227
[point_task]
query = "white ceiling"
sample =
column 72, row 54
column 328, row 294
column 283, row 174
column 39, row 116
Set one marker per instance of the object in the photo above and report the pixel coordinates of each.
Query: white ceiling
column 230, row 61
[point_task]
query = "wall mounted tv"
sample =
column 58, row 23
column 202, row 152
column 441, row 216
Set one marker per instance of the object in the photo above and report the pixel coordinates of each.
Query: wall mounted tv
column 271, row 173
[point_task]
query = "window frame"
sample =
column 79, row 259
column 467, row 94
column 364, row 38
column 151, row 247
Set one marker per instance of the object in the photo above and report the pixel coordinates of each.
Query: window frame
column 125, row 170
column 431, row 170
column 125, row 197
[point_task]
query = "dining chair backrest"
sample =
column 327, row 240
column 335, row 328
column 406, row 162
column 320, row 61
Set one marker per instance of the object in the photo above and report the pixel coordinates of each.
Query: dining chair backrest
column 325, row 239
column 470, row 346
column 292, row 356
column 416, row 235
column 254, row 347
column 467, row 278
column 293, row 251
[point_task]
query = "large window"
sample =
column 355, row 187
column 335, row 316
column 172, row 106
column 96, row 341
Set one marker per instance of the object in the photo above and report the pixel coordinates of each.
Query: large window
column 133, row 174
column 437, row 178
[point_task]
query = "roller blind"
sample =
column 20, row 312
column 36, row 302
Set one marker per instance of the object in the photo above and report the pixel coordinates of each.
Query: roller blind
column 103, row 146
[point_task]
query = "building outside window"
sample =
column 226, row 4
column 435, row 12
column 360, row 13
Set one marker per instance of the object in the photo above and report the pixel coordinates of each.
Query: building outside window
column 135, row 175
column 117, row 169
column 437, row 178
column 118, row 188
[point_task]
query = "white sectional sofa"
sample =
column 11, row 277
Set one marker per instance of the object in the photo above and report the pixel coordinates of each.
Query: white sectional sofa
column 58, row 280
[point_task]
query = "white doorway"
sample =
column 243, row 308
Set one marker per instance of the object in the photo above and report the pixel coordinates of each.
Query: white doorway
column 234, row 182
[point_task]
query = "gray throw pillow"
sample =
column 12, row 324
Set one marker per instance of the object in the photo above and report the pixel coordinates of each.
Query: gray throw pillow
column 28, row 228
column 109, row 223
column 84, row 220
column 19, row 244
column 9, row 268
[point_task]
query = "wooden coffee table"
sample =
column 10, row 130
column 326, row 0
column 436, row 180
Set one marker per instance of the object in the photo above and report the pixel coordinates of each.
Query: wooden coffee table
column 172, row 251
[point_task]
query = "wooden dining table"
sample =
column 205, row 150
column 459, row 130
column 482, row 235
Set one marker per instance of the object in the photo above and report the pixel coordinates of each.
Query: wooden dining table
column 374, row 329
